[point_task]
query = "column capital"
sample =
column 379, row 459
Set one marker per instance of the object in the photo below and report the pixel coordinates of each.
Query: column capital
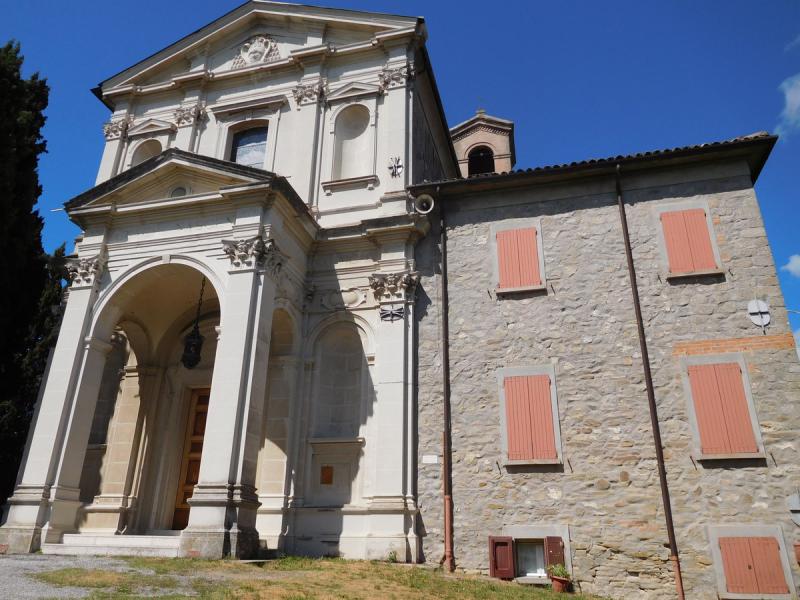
column 117, row 128
column 309, row 92
column 390, row 288
column 254, row 253
column 188, row 115
column 84, row 272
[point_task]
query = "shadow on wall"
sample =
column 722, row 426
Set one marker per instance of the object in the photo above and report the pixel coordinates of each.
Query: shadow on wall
column 322, row 476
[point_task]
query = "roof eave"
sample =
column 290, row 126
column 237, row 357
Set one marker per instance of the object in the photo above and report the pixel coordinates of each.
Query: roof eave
column 755, row 151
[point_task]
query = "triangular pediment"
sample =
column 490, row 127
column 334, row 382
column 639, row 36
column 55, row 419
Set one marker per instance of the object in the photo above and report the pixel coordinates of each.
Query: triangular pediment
column 256, row 33
column 353, row 90
column 172, row 176
column 151, row 126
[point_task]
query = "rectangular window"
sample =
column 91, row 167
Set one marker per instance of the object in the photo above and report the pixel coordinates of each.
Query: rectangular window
column 688, row 241
column 513, row 557
column 519, row 265
column 326, row 475
column 721, row 409
column 249, row 147
column 529, row 416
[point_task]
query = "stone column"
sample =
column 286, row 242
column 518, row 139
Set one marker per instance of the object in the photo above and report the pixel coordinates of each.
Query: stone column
column 76, row 365
column 395, row 294
column 187, row 118
column 115, row 131
column 224, row 504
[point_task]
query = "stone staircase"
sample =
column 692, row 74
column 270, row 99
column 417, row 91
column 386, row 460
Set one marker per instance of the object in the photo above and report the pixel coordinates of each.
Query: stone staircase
column 116, row 545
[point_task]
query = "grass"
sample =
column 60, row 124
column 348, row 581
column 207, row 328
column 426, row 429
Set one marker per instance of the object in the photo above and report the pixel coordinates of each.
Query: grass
column 290, row 578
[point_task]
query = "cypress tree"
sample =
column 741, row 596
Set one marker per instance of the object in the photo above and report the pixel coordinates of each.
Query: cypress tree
column 33, row 281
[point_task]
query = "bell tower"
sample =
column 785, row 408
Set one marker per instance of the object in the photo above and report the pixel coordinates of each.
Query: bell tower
column 484, row 144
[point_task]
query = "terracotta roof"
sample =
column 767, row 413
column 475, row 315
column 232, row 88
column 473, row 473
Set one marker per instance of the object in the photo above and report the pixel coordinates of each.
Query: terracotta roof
column 755, row 146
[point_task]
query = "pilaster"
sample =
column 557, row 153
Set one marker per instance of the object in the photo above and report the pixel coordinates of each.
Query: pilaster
column 43, row 489
column 224, row 504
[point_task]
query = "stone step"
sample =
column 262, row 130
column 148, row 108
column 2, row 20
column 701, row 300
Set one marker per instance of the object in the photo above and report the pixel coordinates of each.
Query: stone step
column 115, row 545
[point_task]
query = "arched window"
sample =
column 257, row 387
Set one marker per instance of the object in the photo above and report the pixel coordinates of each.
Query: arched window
column 341, row 382
column 249, row 147
column 352, row 154
column 146, row 150
column 481, row 160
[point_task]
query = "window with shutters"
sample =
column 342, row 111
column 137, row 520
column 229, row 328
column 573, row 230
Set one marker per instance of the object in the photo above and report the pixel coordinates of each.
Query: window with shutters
column 518, row 258
column 523, row 552
column 750, row 561
column 687, row 240
column 530, row 432
column 721, row 408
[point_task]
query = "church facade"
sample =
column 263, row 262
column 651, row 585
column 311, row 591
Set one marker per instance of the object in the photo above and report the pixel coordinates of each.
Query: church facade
column 305, row 316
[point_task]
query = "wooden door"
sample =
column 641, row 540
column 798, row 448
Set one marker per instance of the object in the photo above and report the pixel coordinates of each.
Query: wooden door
column 192, row 451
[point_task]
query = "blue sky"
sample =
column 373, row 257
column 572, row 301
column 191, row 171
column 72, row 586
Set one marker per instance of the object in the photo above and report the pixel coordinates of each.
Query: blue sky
column 580, row 80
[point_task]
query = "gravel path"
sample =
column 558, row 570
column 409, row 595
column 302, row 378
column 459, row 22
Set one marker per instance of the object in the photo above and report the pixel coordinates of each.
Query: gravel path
column 16, row 583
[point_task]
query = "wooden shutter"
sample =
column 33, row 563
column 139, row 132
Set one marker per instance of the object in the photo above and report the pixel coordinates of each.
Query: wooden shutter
column 767, row 565
column 529, row 418
column 740, row 577
column 752, row 565
column 688, row 241
column 554, row 551
column 721, row 409
column 501, row 557
column 518, row 258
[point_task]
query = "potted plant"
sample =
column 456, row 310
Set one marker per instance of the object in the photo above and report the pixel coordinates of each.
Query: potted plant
column 560, row 577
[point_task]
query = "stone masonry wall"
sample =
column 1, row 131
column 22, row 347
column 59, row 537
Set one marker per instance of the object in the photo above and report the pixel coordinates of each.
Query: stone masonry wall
column 607, row 489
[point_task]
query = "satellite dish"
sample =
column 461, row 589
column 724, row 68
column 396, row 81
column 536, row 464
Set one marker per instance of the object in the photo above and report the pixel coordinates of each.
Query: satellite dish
column 758, row 310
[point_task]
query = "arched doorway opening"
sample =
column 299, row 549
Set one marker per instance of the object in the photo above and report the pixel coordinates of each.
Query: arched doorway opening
column 144, row 449
column 481, row 160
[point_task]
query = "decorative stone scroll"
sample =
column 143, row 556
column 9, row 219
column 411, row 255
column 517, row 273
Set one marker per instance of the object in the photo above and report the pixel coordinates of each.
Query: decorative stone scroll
column 394, row 287
column 392, row 77
column 187, row 115
column 116, row 128
column 254, row 252
column 83, row 272
column 308, row 93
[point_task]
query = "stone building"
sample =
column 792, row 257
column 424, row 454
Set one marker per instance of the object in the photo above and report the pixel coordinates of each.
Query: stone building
column 294, row 282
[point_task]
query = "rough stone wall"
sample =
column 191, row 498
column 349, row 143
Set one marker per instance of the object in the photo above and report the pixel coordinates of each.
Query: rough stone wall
column 607, row 489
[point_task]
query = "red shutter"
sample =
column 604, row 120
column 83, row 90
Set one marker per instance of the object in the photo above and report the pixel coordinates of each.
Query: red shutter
column 708, row 410
column 688, row 241
column 720, row 405
column 740, row 577
column 767, row 565
column 529, row 418
column 554, row 551
column 699, row 239
column 501, row 557
column 735, row 409
column 518, row 258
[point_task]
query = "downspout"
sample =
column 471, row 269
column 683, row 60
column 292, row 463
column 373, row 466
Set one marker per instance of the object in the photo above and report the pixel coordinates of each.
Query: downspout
column 651, row 397
column 447, row 478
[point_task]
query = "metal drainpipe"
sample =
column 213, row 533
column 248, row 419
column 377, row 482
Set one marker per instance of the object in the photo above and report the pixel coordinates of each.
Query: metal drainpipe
column 448, row 559
column 651, row 397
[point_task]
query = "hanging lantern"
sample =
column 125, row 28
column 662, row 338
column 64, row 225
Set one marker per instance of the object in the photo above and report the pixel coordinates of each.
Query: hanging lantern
column 193, row 343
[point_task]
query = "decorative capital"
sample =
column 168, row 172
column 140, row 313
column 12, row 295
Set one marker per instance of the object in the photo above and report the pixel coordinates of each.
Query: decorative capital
column 187, row 115
column 392, row 77
column 394, row 287
column 83, row 272
column 254, row 253
column 308, row 93
column 117, row 128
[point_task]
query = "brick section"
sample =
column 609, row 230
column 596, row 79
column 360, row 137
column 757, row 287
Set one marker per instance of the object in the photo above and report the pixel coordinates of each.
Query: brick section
column 784, row 341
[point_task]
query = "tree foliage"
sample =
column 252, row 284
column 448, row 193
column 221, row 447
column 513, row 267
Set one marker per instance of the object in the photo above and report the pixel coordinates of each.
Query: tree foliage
column 29, row 303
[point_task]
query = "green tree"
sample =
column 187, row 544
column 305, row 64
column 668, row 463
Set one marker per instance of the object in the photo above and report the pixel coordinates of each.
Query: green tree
column 28, row 322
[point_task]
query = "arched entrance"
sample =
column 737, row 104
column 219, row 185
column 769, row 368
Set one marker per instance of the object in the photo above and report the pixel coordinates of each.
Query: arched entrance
column 143, row 453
